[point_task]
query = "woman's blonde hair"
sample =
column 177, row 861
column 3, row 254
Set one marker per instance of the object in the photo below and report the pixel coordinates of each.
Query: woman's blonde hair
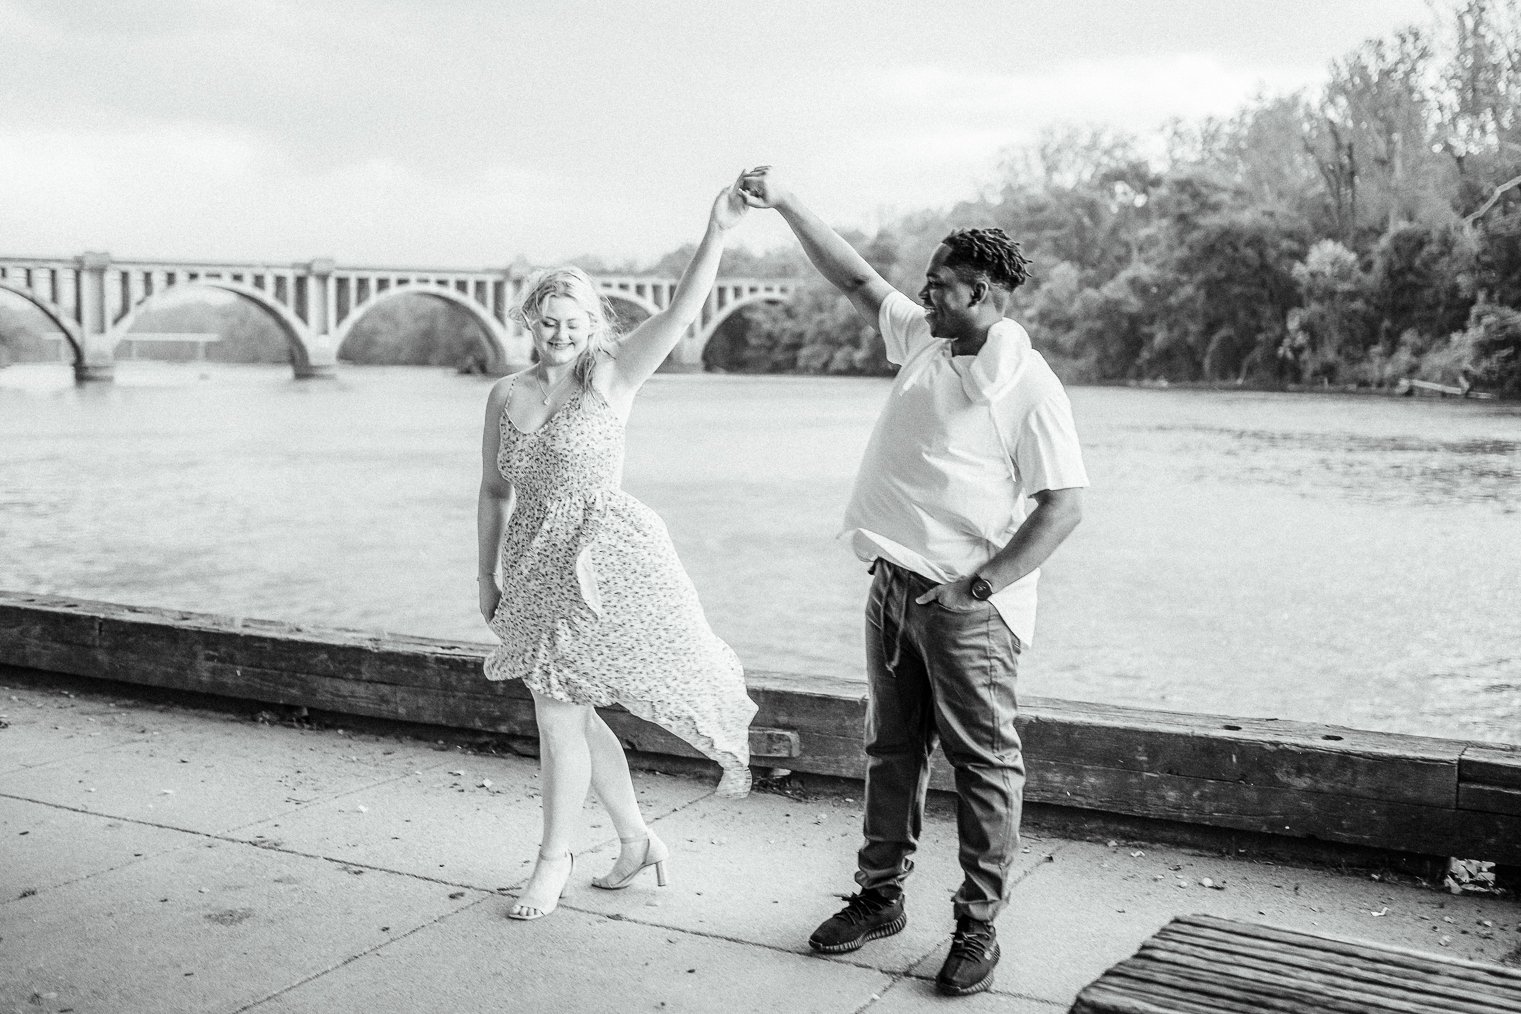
column 571, row 282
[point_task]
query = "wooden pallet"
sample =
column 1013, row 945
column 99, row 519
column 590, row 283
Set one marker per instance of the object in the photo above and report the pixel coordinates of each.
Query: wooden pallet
column 1201, row 964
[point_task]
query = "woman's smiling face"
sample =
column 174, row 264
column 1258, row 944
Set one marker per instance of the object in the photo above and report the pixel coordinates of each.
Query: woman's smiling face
column 561, row 330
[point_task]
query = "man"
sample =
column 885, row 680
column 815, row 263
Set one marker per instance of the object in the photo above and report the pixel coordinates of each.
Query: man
column 976, row 427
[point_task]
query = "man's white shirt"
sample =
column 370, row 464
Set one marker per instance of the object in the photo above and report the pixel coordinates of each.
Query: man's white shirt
column 961, row 445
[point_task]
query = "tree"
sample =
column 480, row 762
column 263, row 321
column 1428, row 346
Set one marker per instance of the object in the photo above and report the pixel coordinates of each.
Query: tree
column 1265, row 153
column 1497, row 257
column 1331, row 326
column 1204, row 263
column 1491, row 347
column 1117, row 323
column 1237, row 288
column 1422, row 283
column 1480, row 99
column 1381, row 109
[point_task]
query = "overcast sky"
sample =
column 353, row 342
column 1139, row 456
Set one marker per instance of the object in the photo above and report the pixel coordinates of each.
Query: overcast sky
column 475, row 132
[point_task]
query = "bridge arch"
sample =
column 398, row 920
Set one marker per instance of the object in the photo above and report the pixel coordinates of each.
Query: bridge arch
column 55, row 316
column 493, row 343
column 290, row 326
column 638, row 302
column 750, row 299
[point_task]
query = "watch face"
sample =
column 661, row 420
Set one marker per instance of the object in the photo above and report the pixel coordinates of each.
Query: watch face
column 981, row 589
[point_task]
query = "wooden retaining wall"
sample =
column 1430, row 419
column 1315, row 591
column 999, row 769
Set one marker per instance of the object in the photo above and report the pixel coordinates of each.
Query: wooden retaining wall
column 1433, row 797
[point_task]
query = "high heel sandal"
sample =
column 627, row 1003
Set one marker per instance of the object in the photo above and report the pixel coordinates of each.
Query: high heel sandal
column 655, row 854
column 527, row 912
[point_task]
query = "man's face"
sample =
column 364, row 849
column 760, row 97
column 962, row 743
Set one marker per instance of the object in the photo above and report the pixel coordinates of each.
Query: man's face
column 947, row 299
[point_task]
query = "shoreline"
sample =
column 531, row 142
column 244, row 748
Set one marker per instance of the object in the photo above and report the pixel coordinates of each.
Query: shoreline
column 1208, row 777
column 1407, row 388
column 1414, row 389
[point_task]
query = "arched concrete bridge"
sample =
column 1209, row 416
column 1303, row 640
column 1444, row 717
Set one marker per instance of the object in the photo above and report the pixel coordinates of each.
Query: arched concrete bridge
column 94, row 301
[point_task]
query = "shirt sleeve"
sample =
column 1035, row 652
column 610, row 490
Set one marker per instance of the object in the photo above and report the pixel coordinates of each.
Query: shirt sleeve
column 904, row 329
column 1046, row 450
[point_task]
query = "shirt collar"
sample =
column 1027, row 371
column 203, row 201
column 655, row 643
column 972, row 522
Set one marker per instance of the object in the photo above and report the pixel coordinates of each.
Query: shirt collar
column 998, row 364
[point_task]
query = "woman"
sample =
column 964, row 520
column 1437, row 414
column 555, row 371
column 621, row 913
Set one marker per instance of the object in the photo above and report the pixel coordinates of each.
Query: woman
column 580, row 581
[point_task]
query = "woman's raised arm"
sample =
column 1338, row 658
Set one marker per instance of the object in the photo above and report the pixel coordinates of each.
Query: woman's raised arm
column 645, row 348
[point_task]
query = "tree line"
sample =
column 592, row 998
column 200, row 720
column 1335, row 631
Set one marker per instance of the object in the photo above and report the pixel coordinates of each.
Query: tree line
column 1360, row 233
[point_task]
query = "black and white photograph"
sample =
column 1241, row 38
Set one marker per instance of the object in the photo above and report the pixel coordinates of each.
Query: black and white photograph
column 996, row 506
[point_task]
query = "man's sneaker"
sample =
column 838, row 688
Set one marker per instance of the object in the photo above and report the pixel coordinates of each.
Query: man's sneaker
column 866, row 916
column 974, row 954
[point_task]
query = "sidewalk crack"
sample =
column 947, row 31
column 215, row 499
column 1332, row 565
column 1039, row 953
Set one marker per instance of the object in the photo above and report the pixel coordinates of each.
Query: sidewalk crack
column 362, row 954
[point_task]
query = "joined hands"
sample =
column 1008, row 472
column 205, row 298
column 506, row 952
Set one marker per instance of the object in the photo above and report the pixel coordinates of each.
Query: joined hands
column 730, row 205
column 753, row 188
column 761, row 189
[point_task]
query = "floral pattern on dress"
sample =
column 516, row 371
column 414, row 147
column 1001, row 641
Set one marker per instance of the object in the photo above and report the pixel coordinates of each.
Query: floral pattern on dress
column 596, row 607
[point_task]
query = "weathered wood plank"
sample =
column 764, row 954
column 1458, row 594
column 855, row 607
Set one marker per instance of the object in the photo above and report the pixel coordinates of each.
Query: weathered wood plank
column 805, row 685
column 1473, row 828
column 488, row 711
column 1267, row 729
column 1396, row 988
column 1491, row 764
column 778, row 743
column 438, row 665
column 1259, row 775
column 636, row 734
column 23, row 620
column 1209, row 965
column 1226, row 991
column 1413, row 977
column 808, row 710
column 1422, row 962
column 1429, row 830
column 1223, row 994
column 1355, row 764
column 1490, row 799
column 1116, row 996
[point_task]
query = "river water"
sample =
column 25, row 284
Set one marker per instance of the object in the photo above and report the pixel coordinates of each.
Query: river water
column 1343, row 559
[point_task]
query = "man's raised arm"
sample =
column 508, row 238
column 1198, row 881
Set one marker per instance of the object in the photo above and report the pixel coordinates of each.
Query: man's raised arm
column 834, row 258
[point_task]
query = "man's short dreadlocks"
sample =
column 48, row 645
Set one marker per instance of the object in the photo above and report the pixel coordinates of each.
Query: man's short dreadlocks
column 987, row 251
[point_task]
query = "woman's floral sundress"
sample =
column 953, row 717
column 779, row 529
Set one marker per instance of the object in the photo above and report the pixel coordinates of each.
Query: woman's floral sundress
column 596, row 608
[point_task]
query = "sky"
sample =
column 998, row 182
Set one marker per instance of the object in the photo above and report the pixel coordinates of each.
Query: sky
column 482, row 133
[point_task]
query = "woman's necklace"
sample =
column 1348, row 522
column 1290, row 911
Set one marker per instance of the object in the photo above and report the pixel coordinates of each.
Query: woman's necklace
column 546, row 390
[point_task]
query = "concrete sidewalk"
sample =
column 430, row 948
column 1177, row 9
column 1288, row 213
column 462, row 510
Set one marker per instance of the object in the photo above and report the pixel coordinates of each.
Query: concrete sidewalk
column 162, row 858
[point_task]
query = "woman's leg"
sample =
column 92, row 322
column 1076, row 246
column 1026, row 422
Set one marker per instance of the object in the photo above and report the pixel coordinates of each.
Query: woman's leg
column 611, row 781
column 564, row 777
column 638, row 846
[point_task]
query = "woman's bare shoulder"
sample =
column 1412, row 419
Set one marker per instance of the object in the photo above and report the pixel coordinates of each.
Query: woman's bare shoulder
column 502, row 386
column 500, row 391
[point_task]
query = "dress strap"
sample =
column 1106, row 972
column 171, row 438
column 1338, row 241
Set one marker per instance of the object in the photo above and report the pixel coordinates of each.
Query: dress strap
column 512, row 383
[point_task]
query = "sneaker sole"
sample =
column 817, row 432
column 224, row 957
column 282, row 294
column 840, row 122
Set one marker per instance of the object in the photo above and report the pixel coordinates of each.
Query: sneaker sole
column 981, row 985
column 977, row 987
column 896, row 926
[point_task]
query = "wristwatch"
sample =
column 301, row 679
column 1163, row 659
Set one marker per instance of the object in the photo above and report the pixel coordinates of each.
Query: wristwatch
column 981, row 590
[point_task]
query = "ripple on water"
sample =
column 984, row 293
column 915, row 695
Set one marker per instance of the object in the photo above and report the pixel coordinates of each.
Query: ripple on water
column 1487, row 691
column 1353, row 442
column 1342, row 560
column 1394, row 469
